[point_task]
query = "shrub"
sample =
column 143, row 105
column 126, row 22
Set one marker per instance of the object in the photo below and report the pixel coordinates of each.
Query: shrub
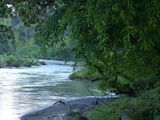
column 16, row 61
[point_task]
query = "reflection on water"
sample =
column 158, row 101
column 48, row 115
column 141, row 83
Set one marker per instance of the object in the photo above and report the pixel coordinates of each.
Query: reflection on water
column 27, row 89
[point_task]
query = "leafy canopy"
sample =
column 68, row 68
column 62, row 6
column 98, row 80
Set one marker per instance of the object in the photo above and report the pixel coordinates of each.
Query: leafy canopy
column 118, row 39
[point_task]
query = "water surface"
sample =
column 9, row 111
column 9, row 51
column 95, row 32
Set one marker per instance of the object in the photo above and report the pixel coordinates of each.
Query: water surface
column 27, row 89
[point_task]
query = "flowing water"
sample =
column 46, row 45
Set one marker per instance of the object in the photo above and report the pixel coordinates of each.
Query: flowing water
column 27, row 89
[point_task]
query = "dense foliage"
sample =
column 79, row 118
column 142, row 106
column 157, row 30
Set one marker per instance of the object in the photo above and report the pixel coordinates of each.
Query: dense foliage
column 119, row 39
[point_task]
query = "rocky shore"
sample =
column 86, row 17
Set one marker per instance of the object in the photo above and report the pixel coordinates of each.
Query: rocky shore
column 63, row 110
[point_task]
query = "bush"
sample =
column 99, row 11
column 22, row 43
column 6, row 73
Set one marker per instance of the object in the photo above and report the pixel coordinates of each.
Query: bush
column 16, row 61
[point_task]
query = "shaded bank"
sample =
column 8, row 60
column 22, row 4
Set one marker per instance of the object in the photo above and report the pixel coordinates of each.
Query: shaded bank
column 85, row 75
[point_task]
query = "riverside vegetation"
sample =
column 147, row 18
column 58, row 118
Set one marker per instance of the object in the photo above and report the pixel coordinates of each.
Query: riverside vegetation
column 13, row 61
column 22, row 49
column 118, row 40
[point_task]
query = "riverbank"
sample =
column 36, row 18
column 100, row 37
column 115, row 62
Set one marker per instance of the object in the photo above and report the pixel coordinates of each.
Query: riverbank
column 57, row 62
column 85, row 75
column 16, row 61
column 68, row 110
column 141, row 107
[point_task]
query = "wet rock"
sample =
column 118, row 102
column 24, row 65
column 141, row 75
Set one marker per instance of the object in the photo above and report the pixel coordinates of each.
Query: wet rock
column 62, row 109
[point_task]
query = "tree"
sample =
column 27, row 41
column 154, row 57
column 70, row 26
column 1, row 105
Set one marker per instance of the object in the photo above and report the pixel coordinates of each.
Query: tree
column 7, row 43
column 118, row 39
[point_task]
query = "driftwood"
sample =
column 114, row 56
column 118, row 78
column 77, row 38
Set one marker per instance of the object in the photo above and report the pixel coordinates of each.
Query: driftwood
column 62, row 108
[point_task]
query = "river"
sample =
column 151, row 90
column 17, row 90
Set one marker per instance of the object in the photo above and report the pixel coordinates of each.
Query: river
column 27, row 89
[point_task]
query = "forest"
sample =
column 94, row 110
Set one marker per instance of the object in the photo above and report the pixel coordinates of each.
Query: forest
column 117, row 41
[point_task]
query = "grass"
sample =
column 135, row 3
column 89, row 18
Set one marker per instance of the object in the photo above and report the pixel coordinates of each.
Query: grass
column 144, row 107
